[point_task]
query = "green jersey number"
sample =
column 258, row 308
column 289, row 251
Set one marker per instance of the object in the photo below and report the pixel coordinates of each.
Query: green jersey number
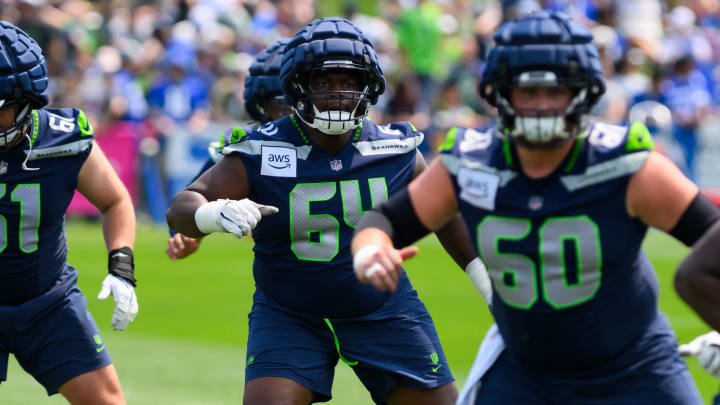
column 516, row 277
column 28, row 197
column 316, row 237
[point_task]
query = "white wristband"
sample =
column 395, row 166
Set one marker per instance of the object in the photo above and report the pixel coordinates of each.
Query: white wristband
column 478, row 274
column 360, row 256
column 207, row 217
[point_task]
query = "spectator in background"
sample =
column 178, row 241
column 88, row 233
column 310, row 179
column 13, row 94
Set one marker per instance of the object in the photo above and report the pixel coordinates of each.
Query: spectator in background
column 687, row 96
column 419, row 37
column 179, row 107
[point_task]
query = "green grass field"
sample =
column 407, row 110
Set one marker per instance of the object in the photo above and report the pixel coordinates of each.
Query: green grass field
column 186, row 346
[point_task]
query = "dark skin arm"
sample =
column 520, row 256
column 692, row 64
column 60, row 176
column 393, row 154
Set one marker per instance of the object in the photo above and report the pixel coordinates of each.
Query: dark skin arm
column 697, row 279
column 227, row 179
column 453, row 236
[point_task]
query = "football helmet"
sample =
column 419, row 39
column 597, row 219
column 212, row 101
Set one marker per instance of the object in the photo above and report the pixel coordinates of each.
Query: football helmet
column 23, row 79
column 543, row 49
column 330, row 44
column 262, row 86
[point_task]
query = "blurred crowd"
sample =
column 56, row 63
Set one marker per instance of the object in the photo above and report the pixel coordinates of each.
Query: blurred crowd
column 169, row 74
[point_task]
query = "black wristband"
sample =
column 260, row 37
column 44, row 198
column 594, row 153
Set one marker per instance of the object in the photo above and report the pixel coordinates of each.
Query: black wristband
column 396, row 217
column 697, row 218
column 121, row 264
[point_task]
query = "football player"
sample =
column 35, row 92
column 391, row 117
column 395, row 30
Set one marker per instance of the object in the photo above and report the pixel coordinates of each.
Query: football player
column 558, row 210
column 264, row 102
column 45, row 155
column 311, row 176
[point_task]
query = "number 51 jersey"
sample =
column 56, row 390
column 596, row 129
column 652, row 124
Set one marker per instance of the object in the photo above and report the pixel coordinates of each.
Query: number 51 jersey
column 572, row 286
column 33, row 202
column 302, row 253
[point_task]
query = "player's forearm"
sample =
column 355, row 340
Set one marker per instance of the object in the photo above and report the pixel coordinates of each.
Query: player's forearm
column 119, row 224
column 181, row 213
column 697, row 279
column 455, row 239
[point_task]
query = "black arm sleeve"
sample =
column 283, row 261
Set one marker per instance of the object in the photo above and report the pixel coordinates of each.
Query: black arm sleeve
column 697, row 218
column 396, row 217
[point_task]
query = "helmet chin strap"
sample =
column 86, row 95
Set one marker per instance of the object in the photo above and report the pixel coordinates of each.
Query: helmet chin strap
column 333, row 122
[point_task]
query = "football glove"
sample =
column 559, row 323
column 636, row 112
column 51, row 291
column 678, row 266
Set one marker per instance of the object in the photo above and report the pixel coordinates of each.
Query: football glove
column 126, row 304
column 237, row 217
column 478, row 274
column 707, row 349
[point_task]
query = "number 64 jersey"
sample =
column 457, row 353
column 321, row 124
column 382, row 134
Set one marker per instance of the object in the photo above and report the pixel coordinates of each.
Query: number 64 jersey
column 33, row 248
column 302, row 253
column 572, row 286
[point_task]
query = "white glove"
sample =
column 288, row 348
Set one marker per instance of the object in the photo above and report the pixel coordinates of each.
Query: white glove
column 126, row 304
column 707, row 349
column 237, row 217
column 478, row 274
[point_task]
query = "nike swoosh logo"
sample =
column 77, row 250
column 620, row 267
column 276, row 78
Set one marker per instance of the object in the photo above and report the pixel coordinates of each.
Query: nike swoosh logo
column 435, row 369
column 99, row 349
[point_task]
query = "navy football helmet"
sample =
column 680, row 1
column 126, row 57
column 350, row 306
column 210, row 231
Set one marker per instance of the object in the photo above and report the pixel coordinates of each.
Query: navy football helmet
column 262, row 86
column 543, row 49
column 23, row 79
column 330, row 44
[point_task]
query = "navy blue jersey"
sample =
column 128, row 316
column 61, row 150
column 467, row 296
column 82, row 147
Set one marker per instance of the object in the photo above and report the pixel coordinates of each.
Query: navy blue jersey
column 33, row 202
column 572, row 286
column 302, row 253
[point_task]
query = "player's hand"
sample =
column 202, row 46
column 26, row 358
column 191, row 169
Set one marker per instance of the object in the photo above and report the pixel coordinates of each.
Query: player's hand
column 707, row 349
column 237, row 217
column 181, row 246
column 381, row 265
column 126, row 304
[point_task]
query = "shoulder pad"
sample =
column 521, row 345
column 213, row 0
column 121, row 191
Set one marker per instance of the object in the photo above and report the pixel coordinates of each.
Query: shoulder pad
column 467, row 140
column 60, row 132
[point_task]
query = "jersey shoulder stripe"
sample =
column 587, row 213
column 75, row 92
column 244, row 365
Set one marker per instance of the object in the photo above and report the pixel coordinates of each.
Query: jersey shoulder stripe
column 391, row 139
column 278, row 133
column 59, row 133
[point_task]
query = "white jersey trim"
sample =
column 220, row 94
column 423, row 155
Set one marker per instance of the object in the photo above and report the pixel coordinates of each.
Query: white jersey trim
column 254, row 147
column 389, row 146
column 68, row 149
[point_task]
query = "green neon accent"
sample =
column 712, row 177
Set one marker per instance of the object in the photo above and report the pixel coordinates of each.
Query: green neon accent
column 22, row 225
column 99, row 342
column 434, row 357
column 574, row 154
column 337, row 345
column 500, row 285
column 310, row 216
column 412, row 126
column 236, row 135
column 36, row 126
column 449, row 140
column 222, row 140
column 435, row 369
column 250, row 360
column 598, row 265
column 299, row 129
column 3, row 224
column 639, row 138
column 371, row 185
column 357, row 132
column 507, row 152
column 85, row 128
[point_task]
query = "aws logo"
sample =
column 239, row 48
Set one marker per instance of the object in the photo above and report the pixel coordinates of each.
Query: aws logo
column 278, row 161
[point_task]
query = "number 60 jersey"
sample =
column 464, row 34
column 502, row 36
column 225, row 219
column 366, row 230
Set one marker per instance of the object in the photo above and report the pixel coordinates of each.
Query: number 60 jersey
column 33, row 249
column 302, row 253
column 572, row 287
